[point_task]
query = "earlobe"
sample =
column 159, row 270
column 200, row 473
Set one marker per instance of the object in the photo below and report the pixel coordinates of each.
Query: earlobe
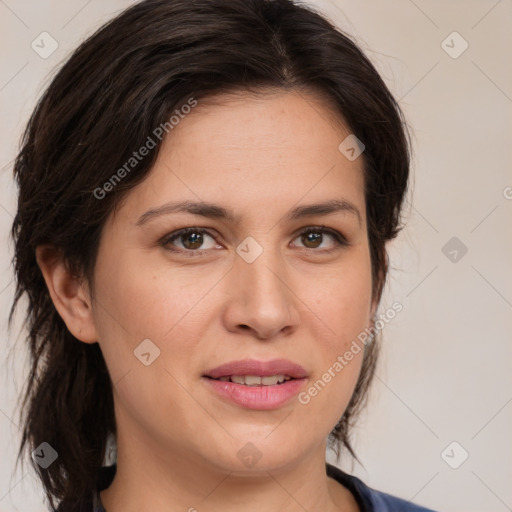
column 69, row 296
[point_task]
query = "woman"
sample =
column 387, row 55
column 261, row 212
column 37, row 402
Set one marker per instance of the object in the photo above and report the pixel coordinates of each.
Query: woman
column 206, row 191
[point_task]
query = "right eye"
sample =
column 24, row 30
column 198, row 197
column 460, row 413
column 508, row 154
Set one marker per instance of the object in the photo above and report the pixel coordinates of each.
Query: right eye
column 191, row 240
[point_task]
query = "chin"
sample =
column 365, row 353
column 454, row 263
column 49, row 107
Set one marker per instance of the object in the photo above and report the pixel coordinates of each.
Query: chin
column 261, row 451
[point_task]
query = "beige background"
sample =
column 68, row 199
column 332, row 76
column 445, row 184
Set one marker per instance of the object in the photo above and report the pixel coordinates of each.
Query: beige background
column 445, row 374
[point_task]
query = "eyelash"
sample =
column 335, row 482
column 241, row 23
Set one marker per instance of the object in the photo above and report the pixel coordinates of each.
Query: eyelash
column 340, row 240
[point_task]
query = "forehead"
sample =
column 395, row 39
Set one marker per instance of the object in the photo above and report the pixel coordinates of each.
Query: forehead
column 253, row 152
column 270, row 119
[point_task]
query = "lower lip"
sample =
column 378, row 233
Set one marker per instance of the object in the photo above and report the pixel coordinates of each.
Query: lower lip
column 257, row 397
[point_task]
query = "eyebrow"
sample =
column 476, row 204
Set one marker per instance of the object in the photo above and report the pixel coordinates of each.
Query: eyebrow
column 214, row 211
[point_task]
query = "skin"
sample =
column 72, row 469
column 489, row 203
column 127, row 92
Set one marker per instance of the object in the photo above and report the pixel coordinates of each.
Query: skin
column 177, row 440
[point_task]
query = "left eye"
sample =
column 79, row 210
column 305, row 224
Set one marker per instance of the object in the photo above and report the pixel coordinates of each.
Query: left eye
column 315, row 236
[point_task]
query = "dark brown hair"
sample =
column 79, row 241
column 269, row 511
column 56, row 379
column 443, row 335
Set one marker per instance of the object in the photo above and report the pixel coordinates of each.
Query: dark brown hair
column 119, row 85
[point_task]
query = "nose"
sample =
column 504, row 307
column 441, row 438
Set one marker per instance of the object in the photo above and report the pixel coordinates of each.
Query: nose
column 261, row 298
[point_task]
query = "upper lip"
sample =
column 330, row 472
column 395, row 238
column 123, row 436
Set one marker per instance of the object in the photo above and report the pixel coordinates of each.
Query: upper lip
column 258, row 368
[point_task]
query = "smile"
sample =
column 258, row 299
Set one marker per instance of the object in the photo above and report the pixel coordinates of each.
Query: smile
column 256, row 380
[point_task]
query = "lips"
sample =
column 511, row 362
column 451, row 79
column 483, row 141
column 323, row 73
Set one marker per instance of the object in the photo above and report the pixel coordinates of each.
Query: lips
column 257, row 385
column 254, row 368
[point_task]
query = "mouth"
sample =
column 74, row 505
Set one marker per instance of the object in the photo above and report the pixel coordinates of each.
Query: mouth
column 259, row 385
column 255, row 380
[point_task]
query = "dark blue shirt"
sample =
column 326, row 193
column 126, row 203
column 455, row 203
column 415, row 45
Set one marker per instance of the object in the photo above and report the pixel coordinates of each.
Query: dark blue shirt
column 368, row 499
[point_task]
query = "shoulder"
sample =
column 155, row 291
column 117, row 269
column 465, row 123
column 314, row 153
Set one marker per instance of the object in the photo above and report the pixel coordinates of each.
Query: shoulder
column 371, row 500
column 383, row 502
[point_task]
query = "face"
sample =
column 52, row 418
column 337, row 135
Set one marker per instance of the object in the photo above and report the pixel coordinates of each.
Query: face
column 256, row 278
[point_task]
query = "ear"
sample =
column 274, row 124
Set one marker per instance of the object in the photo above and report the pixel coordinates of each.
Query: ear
column 70, row 297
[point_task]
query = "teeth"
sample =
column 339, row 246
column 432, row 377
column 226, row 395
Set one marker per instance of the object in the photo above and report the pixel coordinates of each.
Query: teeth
column 256, row 380
column 272, row 380
column 249, row 380
column 241, row 379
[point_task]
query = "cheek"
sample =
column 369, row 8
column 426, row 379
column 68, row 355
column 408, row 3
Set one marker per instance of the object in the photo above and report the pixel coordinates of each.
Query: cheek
column 146, row 329
column 342, row 302
column 341, row 314
column 137, row 303
column 144, row 301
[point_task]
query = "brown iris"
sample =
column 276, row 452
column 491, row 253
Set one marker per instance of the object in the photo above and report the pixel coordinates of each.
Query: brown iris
column 311, row 237
column 195, row 239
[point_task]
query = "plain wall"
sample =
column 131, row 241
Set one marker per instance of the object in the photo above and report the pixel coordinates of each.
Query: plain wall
column 444, row 373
